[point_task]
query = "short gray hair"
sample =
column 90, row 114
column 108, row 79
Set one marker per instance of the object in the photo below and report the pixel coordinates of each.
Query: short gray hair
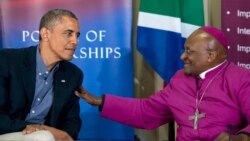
column 51, row 17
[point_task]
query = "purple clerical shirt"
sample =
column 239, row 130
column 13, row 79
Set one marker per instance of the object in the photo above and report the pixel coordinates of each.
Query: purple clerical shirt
column 225, row 102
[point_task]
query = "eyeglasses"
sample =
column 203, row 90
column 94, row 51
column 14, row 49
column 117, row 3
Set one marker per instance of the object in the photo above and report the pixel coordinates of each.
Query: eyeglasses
column 189, row 52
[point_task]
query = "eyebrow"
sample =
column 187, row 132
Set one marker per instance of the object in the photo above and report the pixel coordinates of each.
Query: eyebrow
column 71, row 31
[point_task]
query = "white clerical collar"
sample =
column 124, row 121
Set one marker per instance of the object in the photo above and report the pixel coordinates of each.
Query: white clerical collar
column 203, row 74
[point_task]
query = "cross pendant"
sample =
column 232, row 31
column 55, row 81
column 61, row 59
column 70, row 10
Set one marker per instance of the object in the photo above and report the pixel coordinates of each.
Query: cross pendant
column 196, row 117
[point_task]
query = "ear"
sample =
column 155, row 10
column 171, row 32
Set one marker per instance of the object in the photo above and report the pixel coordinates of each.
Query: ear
column 44, row 34
column 212, row 55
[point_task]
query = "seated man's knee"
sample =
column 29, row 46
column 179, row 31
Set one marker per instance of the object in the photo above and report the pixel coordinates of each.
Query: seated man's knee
column 41, row 135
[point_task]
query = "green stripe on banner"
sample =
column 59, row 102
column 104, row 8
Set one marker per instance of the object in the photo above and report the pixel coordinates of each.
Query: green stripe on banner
column 162, row 7
column 176, row 8
column 192, row 12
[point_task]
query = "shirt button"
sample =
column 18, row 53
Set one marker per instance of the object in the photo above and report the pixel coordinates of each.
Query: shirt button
column 33, row 111
column 38, row 99
column 40, row 73
column 46, row 83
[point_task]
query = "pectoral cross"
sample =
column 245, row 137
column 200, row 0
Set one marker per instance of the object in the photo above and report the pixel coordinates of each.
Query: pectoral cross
column 196, row 117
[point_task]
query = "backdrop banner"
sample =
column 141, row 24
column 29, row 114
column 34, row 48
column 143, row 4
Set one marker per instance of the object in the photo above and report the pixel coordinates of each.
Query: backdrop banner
column 104, row 52
column 235, row 18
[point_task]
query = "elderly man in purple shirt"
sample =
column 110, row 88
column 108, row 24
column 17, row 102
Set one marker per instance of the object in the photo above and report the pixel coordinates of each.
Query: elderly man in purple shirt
column 209, row 99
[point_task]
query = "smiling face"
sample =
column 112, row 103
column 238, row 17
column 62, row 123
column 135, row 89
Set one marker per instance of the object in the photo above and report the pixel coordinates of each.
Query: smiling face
column 197, row 54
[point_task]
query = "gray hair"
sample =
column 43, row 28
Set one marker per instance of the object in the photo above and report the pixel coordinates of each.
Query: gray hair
column 50, row 18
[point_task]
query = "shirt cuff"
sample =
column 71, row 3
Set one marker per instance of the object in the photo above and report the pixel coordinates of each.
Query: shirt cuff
column 100, row 106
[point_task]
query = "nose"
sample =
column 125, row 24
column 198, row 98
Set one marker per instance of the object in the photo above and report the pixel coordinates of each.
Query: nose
column 183, row 56
column 74, row 39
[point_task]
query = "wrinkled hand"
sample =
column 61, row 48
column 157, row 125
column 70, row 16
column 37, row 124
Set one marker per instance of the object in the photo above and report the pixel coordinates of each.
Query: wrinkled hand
column 32, row 128
column 89, row 98
column 224, row 136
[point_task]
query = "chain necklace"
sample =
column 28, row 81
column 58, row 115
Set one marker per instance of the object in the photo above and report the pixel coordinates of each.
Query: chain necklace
column 197, row 115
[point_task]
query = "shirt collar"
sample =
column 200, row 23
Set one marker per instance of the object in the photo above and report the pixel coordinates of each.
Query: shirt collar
column 40, row 65
column 203, row 74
